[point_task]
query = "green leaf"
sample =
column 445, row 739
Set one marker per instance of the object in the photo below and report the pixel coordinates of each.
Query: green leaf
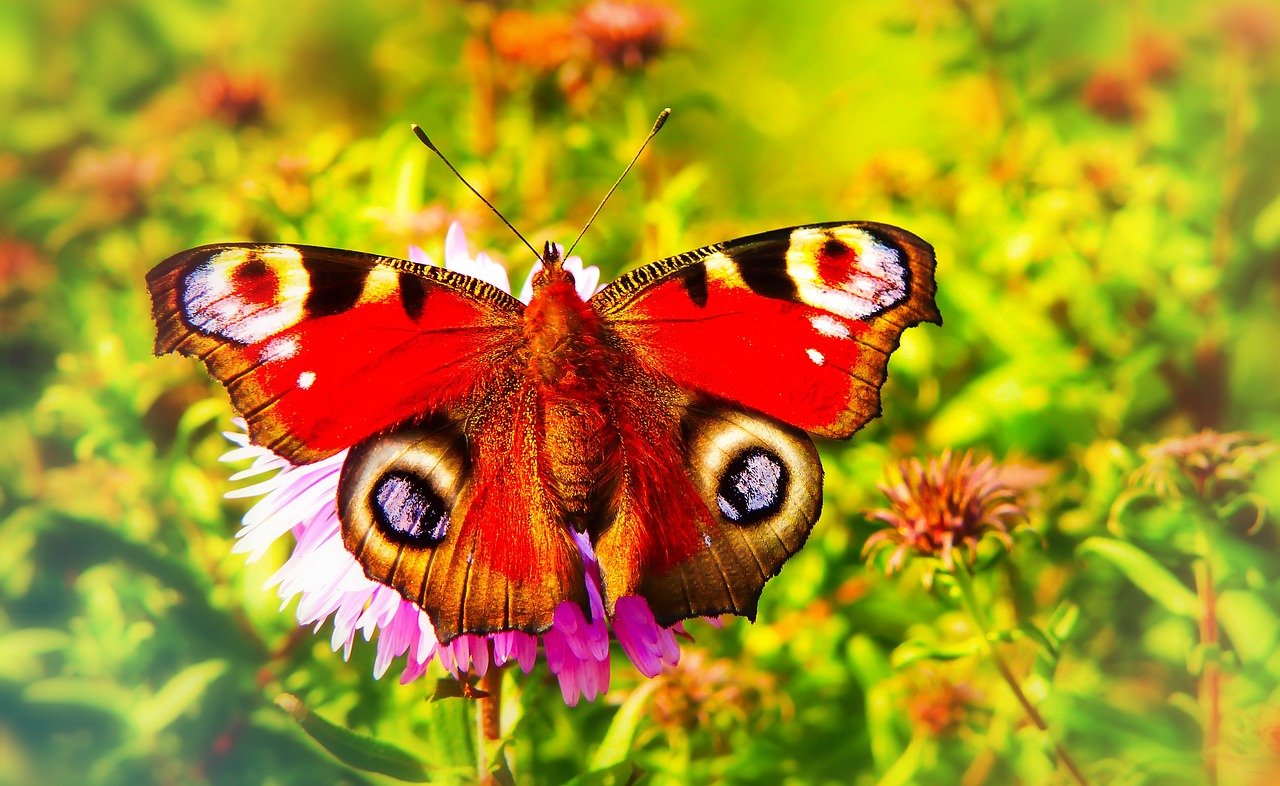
column 1148, row 575
column 21, row 651
column 352, row 749
column 177, row 696
column 624, row 773
column 1033, row 632
column 914, row 650
column 616, row 745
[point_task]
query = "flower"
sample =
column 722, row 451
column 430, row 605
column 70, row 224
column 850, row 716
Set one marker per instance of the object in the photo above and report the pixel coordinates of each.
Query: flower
column 940, row 707
column 627, row 33
column 1112, row 96
column 302, row 500
column 234, row 100
column 543, row 42
column 947, row 505
column 1216, row 465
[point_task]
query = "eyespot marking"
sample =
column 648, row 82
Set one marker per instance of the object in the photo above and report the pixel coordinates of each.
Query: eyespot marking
column 245, row 295
column 409, row 510
column 846, row 270
column 753, row 487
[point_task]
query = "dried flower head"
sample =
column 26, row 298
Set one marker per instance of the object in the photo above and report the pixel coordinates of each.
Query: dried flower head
column 1251, row 27
column 946, row 505
column 116, row 182
column 627, row 33
column 1155, row 58
column 701, row 693
column 940, row 707
column 234, row 100
column 1113, row 96
column 1211, row 465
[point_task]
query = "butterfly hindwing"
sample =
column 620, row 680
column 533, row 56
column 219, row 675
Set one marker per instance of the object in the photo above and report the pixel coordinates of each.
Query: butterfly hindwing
column 320, row 348
column 459, row 519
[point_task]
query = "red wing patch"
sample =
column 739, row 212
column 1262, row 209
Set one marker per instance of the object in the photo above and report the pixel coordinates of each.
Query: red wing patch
column 797, row 323
column 321, row 348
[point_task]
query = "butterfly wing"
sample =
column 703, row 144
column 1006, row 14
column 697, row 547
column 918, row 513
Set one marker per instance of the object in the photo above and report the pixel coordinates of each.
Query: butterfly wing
column 458, row 517
column 320, row 348
column 787, row 328
column 417, row 369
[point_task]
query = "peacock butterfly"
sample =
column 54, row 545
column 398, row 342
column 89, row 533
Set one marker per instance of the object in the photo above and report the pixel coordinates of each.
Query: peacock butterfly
column 665, row 417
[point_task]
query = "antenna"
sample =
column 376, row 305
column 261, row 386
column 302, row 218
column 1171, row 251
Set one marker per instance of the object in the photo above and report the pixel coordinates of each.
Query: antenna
column 657, row 125
column 422, row 135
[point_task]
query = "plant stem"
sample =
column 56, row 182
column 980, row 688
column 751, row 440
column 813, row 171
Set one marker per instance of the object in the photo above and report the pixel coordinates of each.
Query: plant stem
column 965, row 583
column 1210, row 675
column 488, row 719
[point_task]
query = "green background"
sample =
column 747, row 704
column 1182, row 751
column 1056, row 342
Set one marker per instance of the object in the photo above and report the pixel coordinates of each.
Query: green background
column 1099, row 181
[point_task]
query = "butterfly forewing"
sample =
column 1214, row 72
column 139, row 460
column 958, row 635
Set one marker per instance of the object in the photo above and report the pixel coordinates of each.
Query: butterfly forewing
column 320, row 348
column 796, row 323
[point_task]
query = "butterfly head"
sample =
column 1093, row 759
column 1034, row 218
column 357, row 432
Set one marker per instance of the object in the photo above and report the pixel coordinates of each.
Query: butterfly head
column 552, row 270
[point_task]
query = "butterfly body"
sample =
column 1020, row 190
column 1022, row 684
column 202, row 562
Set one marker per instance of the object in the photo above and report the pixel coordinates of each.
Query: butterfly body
column 662, row 420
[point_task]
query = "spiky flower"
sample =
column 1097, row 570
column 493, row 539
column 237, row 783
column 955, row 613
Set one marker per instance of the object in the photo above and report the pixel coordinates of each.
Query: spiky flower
column 940, row 707
column 627, row 33
column 1211, row 465
column 945, row 506
column 301, row 501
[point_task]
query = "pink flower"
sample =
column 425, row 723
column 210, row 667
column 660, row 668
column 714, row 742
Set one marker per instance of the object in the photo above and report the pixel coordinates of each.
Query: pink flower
column 302, row 500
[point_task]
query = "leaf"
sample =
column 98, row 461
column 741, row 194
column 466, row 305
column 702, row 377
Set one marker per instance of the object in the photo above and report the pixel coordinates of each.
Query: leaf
column 914, row 650
column 457, row 689
column 176, row 696
column 616, row 745
column 21, row 650
column 352, row 749
column 1033, row 632
column 624, row 773
column 1063, row 621
column 1148, row 575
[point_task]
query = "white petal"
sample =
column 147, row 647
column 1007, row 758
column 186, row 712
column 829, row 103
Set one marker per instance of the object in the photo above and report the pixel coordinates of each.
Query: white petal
column 420, row 257
column 456, row 255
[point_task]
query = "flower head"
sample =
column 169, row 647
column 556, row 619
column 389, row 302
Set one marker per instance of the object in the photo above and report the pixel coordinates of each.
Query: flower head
column 940, row 707
column 627, row 33
column 236, row 101
column 542, row 42
column 301, row 500
column 946, row 505
column 1211, row 465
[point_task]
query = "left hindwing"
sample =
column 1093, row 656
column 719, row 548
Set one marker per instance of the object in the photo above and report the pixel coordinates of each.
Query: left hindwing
column 796, row 323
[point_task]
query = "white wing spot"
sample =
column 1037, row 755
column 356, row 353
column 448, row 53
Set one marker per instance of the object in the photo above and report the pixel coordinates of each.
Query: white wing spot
column 828, row 325
column 306, row 379
column 815, row 356
column 706, row 539
column 279, row 349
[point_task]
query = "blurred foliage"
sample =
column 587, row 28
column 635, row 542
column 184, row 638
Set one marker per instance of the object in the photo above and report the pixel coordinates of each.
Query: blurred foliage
column 1099, row 181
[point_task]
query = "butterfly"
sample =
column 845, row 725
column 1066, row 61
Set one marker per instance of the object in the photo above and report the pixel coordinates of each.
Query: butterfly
column 668, row 416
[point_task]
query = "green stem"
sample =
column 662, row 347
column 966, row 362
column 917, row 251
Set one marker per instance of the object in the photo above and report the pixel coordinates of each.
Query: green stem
column 971, row 605
column 1210, row 675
